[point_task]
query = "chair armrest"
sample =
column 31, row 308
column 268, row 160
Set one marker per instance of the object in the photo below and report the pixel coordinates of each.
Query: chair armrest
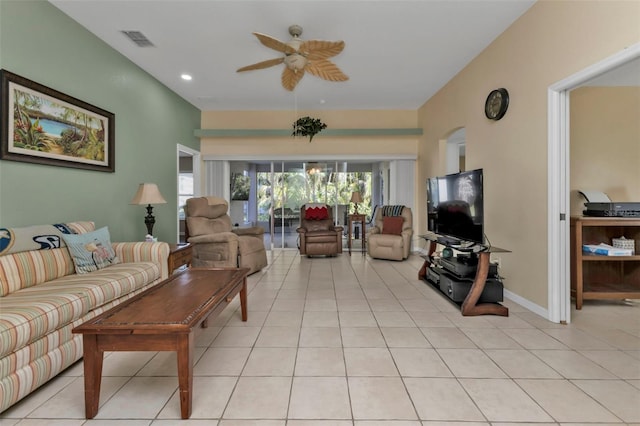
column 256, row 231
column 130, row 252
column 220, row 237
column 374, row 230
column 301, row 230
column 338, row 228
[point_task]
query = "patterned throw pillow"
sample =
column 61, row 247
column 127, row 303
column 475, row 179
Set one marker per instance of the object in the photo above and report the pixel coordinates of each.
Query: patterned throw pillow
column 91, row 251
column 392, row 210
column 316, row 213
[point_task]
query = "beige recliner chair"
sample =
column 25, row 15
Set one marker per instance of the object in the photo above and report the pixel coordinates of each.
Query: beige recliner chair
column 215, row 243
column 390, row 236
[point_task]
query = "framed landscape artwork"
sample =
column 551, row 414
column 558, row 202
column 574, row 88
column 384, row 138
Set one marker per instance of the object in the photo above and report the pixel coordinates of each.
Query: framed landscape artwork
column 41, row 125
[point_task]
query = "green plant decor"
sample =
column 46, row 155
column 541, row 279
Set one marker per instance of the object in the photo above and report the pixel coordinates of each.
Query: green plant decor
column 307, row 126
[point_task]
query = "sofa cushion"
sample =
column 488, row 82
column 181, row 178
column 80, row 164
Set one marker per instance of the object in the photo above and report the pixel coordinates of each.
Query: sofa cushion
column 33, row 312
column 91, row 251
column 392, row 225
column 29, row 268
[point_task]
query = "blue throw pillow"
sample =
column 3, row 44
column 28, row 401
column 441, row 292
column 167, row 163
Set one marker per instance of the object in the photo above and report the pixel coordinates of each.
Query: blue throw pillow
column 91, row 251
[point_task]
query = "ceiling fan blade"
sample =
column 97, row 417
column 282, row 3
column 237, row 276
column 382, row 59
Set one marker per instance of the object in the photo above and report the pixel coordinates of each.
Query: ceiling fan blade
column 291, row 78
column 261, row 65
column 321, row 49
column 274, row 44
column 326, row 70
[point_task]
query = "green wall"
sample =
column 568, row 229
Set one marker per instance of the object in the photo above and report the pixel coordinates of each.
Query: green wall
column 39, row 42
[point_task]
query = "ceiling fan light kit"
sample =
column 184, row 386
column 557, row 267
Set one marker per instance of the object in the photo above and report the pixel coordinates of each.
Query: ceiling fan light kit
column 300, row 57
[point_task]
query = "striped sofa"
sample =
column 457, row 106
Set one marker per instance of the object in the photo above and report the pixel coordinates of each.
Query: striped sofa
column 42, row 299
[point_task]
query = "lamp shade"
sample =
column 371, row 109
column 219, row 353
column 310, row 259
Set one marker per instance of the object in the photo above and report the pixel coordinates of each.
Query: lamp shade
column 356, row 197
column 148, row 193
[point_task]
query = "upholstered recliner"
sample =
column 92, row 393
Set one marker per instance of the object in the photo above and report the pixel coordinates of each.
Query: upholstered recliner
column 390, row 236
column 318, row 234
column 215, row 243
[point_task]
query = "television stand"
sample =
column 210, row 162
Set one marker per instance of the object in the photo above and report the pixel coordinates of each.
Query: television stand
column 471, row 306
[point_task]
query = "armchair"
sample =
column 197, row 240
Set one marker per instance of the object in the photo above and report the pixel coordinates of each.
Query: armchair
column 215, row 243
column 390, row 236
column 318, row 234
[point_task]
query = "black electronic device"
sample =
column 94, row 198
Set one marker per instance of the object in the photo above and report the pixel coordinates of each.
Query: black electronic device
column 455, row 208
column 457, row 288
column 462, row 269
column 612, row 209
column 433, row 275
column 467, row 259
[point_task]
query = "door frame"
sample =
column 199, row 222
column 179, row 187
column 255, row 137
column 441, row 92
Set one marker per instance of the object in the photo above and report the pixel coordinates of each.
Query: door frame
column 558, row 258
column 195, row 158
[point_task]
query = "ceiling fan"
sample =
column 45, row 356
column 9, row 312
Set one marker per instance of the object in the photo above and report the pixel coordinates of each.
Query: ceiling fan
column 301, row 56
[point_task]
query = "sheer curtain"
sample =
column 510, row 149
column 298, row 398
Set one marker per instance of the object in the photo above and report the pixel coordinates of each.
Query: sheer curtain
column 217, row 179
column 401, row 185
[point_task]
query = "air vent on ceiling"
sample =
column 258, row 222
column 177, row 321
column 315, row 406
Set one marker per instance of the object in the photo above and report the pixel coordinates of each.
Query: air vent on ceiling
column 138, row 38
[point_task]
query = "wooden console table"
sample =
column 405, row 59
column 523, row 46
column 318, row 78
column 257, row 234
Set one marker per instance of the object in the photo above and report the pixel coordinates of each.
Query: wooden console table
column 161, row 318
column 470, row 306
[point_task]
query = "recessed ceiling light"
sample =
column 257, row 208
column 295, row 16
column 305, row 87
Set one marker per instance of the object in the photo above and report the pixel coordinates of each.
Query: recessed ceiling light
column 186, row 77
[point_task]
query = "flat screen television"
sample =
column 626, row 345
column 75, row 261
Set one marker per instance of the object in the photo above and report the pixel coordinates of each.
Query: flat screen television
column 455, row 207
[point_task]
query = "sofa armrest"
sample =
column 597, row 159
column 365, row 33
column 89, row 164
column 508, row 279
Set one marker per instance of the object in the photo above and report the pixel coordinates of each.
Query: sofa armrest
column 254, row 231
column 129, row 252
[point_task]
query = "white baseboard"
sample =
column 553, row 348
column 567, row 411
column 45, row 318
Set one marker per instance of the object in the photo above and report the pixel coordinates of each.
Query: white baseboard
column 536, row 309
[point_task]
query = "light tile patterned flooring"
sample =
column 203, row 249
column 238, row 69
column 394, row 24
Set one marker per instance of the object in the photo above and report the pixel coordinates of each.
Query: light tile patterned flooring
column 351, row 341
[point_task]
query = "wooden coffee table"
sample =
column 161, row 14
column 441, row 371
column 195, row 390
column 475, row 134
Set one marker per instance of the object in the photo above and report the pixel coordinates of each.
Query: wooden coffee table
column 162, row 318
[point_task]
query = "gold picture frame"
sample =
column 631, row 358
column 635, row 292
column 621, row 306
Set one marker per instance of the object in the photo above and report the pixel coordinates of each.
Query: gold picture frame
column 43, row 126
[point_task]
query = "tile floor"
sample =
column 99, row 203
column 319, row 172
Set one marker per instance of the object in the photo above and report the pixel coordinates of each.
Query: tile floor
column 351, row 341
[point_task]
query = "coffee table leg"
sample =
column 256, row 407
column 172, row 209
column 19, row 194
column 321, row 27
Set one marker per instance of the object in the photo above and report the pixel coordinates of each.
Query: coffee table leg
column 185, row 372
column 92, row 374
column 243, row 299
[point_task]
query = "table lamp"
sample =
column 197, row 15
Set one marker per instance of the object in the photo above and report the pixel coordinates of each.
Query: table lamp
column 355, row 199
column 148, row 193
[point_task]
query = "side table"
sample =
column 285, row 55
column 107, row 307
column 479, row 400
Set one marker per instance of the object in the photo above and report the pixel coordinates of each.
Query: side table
column 363, row 220
column 179, row 255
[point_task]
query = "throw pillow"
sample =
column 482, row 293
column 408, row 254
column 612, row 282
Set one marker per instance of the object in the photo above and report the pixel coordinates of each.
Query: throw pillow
column 91, row 251
column 392, row 210
column 392, row 225
column 316, row 213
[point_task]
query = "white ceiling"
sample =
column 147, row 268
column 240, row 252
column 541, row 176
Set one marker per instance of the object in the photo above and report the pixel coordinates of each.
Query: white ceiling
column 398, row 53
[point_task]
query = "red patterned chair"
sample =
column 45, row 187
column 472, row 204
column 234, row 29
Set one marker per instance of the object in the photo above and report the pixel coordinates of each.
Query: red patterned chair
column 318, row 234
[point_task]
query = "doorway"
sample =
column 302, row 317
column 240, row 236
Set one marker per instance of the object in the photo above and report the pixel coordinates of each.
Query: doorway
column 559, row 300
column 456, row 151
column 188, row 167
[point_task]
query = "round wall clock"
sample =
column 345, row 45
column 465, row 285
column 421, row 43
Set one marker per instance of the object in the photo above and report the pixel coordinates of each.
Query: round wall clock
column 496, row 104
